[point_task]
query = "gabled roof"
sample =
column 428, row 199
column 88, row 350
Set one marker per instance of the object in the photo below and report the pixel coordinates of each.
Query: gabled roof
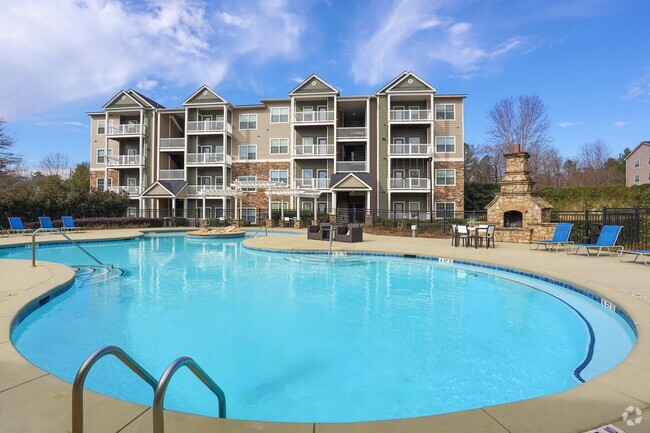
column 401, row 84
column 351, row 181
column 204, row 96
column 643, row 143
column 172, row 187
column 123, row 100
column 147, row 101
column 313, row 85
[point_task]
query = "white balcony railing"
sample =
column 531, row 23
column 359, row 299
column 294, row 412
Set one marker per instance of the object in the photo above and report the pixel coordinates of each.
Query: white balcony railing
column 126, row 129
column 409, row 183
column 352, row 133
column 197, row 190
column 312, row 183
column 350, row 166
column 208, row 126
column 125, row 160
column 172, row 143
column 131, row 190
column 172, row 174
column 208, row 158
column 314, row 117
column 410, row 115
column 411, row 150
column 314, row 150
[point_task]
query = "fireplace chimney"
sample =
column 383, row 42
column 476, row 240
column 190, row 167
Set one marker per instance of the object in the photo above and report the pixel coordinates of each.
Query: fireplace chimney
column 517, row 148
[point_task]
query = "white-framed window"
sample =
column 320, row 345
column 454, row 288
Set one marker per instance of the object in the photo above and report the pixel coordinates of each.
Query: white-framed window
column 307, row 205
column 280, row 115
column 445, row 111
column 205, row 180
column 275, row 205
column 445, row 144
column 101, row 127
column 101, row 183
column 249, row 215
column 101, row 155
column 218, row 182
column 445, row 209
column 248, row 121
column 279, row 146
column 637, row 178
column 281, row 176
column 248, row 179
column 247, row 151
column 637, row 163
column 414, row 207
column 445, row 177
column 414, row 173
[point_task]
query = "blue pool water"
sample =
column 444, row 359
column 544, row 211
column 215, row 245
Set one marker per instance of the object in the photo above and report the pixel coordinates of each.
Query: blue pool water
column 291, row 338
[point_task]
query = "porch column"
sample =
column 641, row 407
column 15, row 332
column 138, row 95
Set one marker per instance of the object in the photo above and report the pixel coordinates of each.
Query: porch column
column 333, row 203
column 203, row 212
column 236, row 203
column 223, row 206
column 298, row 210
column 269, row 215
column 173, row 206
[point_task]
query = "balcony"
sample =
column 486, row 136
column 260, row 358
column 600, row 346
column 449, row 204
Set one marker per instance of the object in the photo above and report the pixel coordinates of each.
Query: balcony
column 351, row 166
column 408, row 116
column 314, row 117
column 208, row 159
column 172, row 174
column 352, row 133
column 411, row 150
column 125, row 161
column 133, row 191
column 314, row 150
column 172, row 143
column 411, row 183
column 126, row 129
column 196, row 190
column 208, row 127
column 312, row 183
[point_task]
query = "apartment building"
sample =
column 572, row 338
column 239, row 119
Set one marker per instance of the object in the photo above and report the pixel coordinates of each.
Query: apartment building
column 399, row 151
column 637, row 165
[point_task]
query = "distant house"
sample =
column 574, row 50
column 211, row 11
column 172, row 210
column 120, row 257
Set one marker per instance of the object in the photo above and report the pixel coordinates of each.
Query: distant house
column 637, row 165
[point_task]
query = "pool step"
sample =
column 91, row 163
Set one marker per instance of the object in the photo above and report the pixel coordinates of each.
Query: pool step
column 92, row 275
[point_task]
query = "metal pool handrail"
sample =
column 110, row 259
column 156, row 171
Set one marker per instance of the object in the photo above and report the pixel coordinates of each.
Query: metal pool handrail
column 80, row 378
column 65, row 236
column 159, row 394
column 266, row 231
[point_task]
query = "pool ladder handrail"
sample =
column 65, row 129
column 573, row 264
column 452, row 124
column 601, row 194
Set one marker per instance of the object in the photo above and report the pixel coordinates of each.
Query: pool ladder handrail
column 159, row 387
column 266, row 231
column 60, row 231
column 331, row 238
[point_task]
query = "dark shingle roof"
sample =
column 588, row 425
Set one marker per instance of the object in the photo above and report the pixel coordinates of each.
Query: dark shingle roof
column 174, row 186
column 337, row 177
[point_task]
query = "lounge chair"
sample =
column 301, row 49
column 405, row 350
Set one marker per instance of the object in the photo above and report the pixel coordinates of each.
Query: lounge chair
column 349, row 233
column 319, row 232
column 644, row 254
column 16, row 226
column 560, row 238
column 46, row 224
column 606, row 241
column 68, row 224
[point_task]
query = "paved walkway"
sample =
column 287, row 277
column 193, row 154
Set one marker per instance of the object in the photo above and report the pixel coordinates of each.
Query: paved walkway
column 32, row 400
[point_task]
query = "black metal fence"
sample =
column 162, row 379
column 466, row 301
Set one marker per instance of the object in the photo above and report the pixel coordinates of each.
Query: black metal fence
column 438, row 223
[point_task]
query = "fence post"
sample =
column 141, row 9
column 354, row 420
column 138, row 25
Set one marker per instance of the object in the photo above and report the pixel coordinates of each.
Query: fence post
column 586, row 225
column 604, row 222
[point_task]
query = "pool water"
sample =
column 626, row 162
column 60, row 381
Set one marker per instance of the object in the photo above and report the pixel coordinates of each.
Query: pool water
column 293, row 338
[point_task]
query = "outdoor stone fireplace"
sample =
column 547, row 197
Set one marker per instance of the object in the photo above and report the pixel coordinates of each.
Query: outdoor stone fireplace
column 519, row 214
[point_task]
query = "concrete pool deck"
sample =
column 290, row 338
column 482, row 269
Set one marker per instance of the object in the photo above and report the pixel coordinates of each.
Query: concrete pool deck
column 32, row 400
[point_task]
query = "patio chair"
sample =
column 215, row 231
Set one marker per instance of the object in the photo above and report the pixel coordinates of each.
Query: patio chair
column 318, row 232
column 454, row 232
column 643, row 254
column 607, row 240
column 485, row 232
column 286, row 222
column 16, row 226
column 46, row 224
column 349, row 233
column 560, row 238
column 68, row 224
column 462, row 233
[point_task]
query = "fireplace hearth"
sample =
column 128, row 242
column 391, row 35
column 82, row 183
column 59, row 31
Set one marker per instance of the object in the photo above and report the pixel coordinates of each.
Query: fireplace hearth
column 512, row 218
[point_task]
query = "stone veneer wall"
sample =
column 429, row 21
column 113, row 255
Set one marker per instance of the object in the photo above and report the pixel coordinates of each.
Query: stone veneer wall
column 524, row 235
column 94, row 175
column 454, row 193
column 261, row 170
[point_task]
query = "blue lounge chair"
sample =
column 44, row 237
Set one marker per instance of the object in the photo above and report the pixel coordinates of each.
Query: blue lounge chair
column 560, row 238
column 606, row 241
column 46, row 224
column 68, row 224
column 16, row 226
column 644, row 254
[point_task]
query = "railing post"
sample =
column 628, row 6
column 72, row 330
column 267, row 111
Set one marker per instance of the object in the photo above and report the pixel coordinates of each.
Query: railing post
column 586, row 224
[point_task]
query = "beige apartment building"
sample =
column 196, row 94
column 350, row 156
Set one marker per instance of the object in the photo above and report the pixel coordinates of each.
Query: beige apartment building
column 637, row 165
column 398, row 152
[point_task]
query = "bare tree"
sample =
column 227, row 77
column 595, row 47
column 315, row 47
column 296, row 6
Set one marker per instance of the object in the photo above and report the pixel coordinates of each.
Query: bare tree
column 55, row 164
column 594, row 155
column 8, row 159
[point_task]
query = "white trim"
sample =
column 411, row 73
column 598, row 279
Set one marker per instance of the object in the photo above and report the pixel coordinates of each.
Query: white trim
column 239, row 120
column 445, row 144
column 120, row 93
column 311, row 77
column 404, row 75
column 279, row 108
column 186, row 102
column 278, row 153
column 239, row 147
column 435, row 112
column 279, row 169
column 435, row 175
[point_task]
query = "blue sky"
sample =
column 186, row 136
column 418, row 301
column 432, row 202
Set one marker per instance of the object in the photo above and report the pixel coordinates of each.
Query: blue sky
column 589, row 60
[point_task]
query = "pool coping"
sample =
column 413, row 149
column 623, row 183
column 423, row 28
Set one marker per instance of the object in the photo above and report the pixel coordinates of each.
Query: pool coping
column 598, row 402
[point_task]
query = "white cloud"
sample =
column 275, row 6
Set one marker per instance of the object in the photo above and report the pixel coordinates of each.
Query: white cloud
column 639, row 87
column 297, row 79
column 620, row 124
column 74, row 123
column 569, row 124
column 146, row 84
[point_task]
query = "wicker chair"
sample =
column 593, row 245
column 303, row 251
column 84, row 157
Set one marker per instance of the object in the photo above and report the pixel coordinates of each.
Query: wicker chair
column 349, row 233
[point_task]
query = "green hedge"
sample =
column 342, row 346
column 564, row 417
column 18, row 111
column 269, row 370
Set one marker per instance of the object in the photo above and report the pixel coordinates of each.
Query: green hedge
column 597, row 197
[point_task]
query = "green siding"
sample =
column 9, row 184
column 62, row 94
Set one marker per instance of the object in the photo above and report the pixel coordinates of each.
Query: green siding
column 127, row 102
column 382, row 152
column 210, row 97
column 405, row 86
column 307, row 87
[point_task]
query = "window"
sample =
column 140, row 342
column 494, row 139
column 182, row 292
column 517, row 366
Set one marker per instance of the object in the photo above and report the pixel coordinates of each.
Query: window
column 637, row 163
column 248, row 179
column 249, row 215
column 414, row 207
column 307, row 205
column 445, row 209
column 101, row 127
column 414, row 173
column 281, row 176
column 248, row 121
column 275, row 205
column 637, row 178
column 279, row 114
column 101, row 159
column 101, row 184
column 445, row 112
column 445, row 144
column 247, row 151
column 279, row 146
column 445, row 177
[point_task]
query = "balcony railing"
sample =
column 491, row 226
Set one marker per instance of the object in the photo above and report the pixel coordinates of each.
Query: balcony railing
column 125, row 160
column 410, row 115
column 350, row 166
column 172, row 143
column 126, row 129
column 411, row 150
column 208, row 126
column 409, row 183
column 352, row 133
column 172, row 174
column 314, row 150
column 208, row 158
column 131, row 190
column 196, row 190
column 314, row 117
column 312, row 183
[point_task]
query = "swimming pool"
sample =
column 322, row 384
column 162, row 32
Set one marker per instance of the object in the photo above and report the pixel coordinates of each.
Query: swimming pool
column 297, row 339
